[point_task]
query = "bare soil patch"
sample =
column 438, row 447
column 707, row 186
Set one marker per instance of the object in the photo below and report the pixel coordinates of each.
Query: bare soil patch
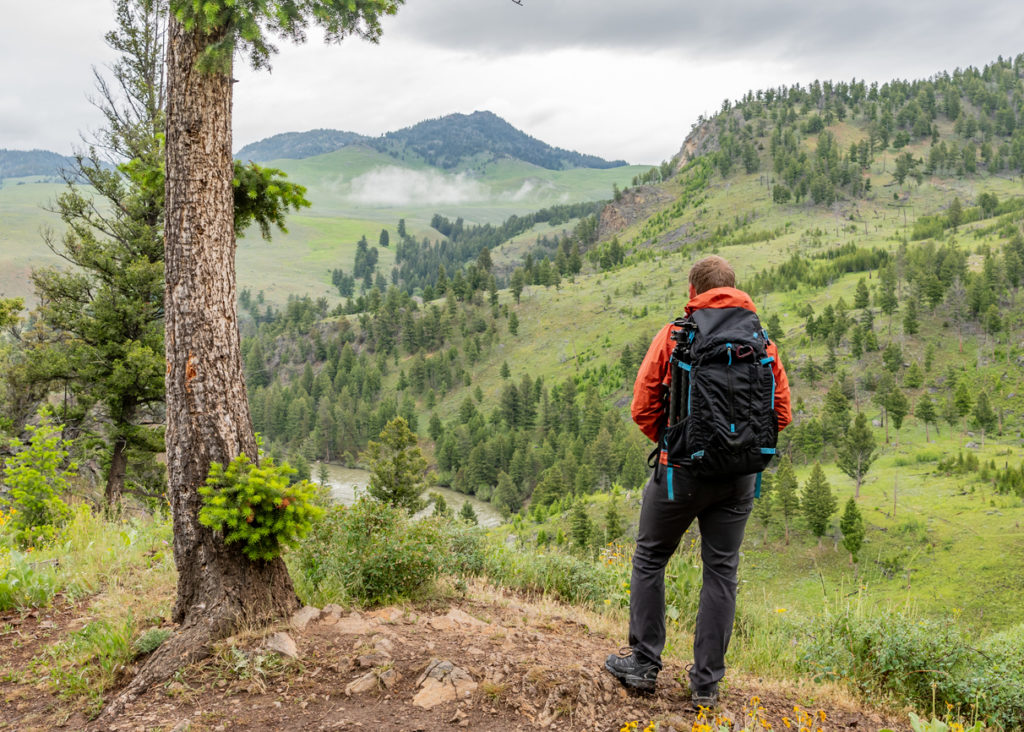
column 483, row 664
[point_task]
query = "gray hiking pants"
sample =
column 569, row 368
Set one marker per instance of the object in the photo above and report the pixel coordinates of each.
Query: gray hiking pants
column 721, row 508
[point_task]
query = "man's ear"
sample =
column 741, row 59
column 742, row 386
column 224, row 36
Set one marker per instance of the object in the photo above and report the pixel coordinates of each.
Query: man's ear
column 693, row 291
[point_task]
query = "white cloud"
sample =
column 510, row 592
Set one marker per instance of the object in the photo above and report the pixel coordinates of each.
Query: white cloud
column 609, row 79
column 393, row 186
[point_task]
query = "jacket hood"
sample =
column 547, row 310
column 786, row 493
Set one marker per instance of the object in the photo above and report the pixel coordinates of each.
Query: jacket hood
column 721, row 297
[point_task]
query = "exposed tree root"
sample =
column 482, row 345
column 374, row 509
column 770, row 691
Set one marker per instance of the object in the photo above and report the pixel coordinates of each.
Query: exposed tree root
column 185, row 647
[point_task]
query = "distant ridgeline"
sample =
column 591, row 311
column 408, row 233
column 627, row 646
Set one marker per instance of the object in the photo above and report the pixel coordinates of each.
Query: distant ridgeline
column 26, row 163
column 447, row 142
column 970, row 120
column 298, row 145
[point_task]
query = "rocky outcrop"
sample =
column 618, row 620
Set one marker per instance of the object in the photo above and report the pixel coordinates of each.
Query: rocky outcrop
column 703, row 139
column 635, row 204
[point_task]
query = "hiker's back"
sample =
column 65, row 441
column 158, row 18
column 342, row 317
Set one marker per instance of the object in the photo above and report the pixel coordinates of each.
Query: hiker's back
column 722, row 418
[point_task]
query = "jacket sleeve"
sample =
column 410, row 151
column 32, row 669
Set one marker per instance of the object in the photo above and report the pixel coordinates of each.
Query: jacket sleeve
column 783, row 412
column 648, row 406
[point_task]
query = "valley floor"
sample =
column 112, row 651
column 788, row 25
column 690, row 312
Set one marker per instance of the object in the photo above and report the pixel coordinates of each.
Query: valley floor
column 513, row 664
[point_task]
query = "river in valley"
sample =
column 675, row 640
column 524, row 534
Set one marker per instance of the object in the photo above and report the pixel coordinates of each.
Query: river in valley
column 345, row 481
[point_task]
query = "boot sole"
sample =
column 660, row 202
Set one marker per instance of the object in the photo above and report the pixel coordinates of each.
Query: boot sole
column 631, row 681
column 706, row 702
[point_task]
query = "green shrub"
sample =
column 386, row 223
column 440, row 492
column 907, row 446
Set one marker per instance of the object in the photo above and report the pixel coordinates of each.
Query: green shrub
column 568, row 578
column 466, row 553
column 919, row 661
column 889, row 653
column 256, row 506
column 994, row 680
column 36, row 479
column 24, row 584
column 370, row 552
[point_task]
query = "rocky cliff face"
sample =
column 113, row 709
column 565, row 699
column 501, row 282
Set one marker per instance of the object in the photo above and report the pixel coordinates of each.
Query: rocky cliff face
column 634, row 205
column 702, row 139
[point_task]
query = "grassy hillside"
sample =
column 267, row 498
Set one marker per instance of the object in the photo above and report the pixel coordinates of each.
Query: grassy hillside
column 21, row 245
column 355, row 192
column 942, row 524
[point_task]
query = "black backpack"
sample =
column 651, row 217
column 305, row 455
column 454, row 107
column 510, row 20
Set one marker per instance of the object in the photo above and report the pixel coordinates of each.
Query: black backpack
column 721, row 418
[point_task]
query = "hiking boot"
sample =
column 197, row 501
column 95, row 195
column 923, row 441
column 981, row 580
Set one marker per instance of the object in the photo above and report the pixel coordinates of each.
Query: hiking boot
column 704, row 696
column 630, row 672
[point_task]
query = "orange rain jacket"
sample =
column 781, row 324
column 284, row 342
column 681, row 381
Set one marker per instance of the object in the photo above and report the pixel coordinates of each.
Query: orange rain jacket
column 649, row 406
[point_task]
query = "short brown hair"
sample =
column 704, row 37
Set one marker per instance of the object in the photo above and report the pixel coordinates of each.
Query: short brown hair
column 711, row 272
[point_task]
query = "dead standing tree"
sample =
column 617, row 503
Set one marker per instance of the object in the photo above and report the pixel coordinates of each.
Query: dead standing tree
column 208, row 417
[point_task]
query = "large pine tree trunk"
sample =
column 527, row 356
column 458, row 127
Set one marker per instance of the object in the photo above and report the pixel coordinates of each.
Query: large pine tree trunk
column 207, row 409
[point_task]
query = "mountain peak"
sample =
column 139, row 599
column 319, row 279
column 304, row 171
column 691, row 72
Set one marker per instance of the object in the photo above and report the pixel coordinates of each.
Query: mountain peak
column 456, row 139
column 452, row 141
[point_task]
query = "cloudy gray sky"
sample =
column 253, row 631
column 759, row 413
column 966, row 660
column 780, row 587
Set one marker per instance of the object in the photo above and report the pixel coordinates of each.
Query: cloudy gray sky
column 616, row 79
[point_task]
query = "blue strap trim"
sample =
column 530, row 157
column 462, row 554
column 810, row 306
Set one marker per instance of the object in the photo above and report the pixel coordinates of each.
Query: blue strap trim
column 767, row 359
column 671, row 495
column 732, row 428
column 698, row 454
column 767, row 450
column 692, row 334
column 686, row 366
column 773, row 390
column 728, row 347
column 757, row 486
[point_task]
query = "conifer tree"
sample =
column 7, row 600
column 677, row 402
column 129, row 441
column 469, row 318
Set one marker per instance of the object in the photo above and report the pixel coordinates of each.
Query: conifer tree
column 434, row 428
column 925, row 411
column 581, row 529
column 955, row 213
column 897, row 406
column 852, row 526
column 861, row 298
column 468, row 515
column 983, row 416
column 550, row 487
column 836, row 413
column 910, row 322
column 441, row 507
column 613, row 525
column 818, row 502
column 857, row 341
column 857, row 451
column 506, row 497
column 962, row 402
column 786, row 498
column 914, row 377
column 892, row 357
column 397, row 467
column 887, row 299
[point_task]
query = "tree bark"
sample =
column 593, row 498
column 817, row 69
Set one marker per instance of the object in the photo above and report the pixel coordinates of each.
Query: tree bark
column 118, row 468
column 208, row 418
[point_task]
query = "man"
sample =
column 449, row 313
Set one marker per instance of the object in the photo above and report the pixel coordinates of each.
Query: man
column 720, row 504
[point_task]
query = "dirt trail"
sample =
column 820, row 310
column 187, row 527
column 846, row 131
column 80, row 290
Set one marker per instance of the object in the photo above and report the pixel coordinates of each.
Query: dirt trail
column 492, row 663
